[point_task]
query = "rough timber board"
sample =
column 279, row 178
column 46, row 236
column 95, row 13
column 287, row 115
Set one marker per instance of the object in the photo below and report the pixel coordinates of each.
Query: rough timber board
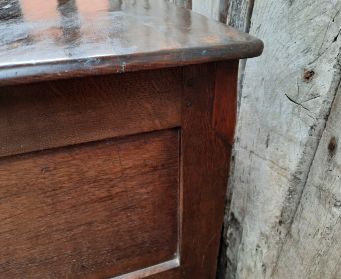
column 286, row 98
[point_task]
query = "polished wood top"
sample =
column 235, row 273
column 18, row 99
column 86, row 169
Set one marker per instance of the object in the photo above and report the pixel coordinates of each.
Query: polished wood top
column 50, row 39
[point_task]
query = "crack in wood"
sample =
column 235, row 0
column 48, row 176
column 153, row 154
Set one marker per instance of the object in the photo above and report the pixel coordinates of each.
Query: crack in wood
column 337, row 81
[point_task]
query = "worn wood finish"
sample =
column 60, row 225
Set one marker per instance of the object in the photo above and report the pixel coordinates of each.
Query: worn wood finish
column 90, row 211
column 193, row 223
column 69, row 38
column 52, row 114
column 225, row 101
column 205, row 165
column 284, row 221
column 239, row 14
column 313, row 249
column 205, row 162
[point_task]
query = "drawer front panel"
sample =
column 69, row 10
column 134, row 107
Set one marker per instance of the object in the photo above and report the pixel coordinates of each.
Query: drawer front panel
column 95, row 210
column 55, row 114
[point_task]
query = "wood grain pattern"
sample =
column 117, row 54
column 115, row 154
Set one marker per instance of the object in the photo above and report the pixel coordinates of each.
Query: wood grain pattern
column 53, row 114
column 90, row 211
column 205, row 161
column 198, row 100
column 225, row 100
column 286, row 100
column 63, row 39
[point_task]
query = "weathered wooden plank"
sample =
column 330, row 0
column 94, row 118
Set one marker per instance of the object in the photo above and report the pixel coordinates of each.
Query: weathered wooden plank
column 207, row 8
column 286, row 97
column 239, row 13
column 312, row 250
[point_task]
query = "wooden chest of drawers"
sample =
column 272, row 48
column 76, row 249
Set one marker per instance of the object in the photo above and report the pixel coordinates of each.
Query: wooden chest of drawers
column 116, row 125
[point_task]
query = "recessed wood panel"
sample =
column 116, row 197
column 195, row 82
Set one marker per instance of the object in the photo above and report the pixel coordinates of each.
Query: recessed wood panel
column 54, row 114
column 95, row 210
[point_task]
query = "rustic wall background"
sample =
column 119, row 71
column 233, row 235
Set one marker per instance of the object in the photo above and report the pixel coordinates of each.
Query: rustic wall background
column 284, row 205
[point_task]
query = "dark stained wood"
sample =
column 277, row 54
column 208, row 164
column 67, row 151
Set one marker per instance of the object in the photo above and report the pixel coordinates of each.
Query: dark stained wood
column 205, row 159
column 69, row 38
column 53, row 114
column 90, row 211
column 205, row 162
column 225, row 100
column 124, row 174
column 200, row 100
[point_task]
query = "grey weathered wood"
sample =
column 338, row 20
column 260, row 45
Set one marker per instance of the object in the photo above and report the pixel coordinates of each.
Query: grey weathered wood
column 274, row 231
column 313, row 247
column 239, row 14
column 223, row 10
column 207, row 8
